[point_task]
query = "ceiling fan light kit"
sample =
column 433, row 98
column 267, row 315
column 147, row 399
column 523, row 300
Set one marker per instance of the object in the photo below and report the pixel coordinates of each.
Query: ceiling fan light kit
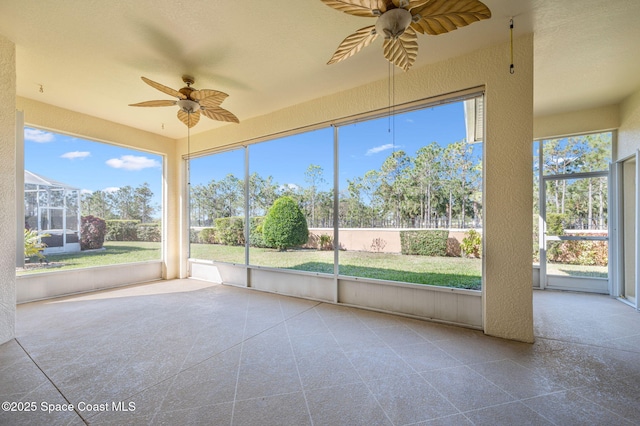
column 399, row 21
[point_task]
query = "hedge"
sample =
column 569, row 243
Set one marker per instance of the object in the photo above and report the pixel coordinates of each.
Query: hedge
column 122, row 230
column 426, row 243
column 151, row 232
column 230, row 231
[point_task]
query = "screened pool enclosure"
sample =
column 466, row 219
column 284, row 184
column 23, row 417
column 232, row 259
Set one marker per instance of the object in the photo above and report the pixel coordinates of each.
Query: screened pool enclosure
column 53, row 209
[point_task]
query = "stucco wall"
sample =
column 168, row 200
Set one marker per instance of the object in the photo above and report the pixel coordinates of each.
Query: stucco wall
column 62, row 120
column 583, row 121
column 629, row 133
column 7, row 190
column 507, row 298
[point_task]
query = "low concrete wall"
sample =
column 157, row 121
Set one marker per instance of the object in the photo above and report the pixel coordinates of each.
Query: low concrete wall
column 442, row 304
column 381, row 240
column 47, row 285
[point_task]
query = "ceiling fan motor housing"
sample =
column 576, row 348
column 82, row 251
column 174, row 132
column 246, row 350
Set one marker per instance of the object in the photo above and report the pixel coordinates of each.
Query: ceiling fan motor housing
column 393, row 23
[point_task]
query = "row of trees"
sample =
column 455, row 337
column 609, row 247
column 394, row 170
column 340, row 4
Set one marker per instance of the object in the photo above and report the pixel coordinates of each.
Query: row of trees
column 438, row 187
column 583, row 202
column 126, row 203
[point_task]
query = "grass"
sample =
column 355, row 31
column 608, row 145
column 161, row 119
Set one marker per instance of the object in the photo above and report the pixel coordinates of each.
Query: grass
column 578, row 270
column 440, row 271
column 115, row 252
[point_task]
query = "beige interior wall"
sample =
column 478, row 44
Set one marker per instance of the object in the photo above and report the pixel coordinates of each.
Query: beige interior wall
column 65, row 121
column 629, row 132
column 629, row 226
column 7, row 190
column 576, row 122
column 507, row 289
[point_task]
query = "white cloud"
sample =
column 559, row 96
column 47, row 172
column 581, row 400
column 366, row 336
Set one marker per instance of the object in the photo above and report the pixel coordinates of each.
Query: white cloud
column 75, row 154
column 380, row 148
column 291, row 186
column 111, row 189
column 38, row 136
column 86, row 191
column 132, row 162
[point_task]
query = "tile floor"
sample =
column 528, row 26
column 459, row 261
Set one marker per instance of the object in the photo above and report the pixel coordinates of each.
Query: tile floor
column 189, row 352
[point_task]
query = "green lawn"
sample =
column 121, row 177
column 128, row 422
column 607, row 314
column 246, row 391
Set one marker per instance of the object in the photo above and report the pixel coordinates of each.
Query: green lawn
column 440, row 271
column 114, row 252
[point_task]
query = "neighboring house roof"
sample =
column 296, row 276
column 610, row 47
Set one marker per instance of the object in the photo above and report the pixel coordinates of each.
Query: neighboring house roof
column 35, row 179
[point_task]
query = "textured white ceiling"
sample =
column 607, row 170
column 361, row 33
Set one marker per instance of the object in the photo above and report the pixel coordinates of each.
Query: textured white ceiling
column 88, row 55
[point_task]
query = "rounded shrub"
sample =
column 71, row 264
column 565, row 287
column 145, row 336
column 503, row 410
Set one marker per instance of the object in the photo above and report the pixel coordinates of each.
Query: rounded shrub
column 285, row 225
column 92, row 232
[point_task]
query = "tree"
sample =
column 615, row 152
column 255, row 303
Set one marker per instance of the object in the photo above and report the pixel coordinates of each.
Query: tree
column 285, row 225
column 142, row 198
column 314, row 177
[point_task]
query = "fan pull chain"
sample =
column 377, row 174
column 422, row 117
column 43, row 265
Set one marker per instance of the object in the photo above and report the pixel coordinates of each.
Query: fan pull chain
column 511, row 68
column 189, row 151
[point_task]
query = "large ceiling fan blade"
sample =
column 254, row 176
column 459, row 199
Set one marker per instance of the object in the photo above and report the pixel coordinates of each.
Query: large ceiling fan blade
column 358, row 7
column 219, row 114
column 354, row 43
column 442, row 16
column 403, row 50
column 162, row 103
column 189, row 119
column 164, row 89
column 208, row 97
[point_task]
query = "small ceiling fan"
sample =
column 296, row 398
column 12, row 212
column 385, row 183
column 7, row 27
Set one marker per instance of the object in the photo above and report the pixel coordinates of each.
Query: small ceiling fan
column 399, row 20
column 192, row 102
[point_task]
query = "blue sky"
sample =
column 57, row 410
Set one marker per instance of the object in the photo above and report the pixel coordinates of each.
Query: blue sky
column 364, row 146
column 88, row 165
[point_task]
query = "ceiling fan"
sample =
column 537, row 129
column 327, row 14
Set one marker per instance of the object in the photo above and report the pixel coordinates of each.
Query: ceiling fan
column 192, row 102
column 399, row 21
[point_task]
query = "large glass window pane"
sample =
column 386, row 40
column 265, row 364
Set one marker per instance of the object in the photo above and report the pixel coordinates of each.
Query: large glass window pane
column 577, row 204
column 70, row 181
column 292, row 177
column 578, row 258
column 410, row 197
column 217, row 204
column 577, row 154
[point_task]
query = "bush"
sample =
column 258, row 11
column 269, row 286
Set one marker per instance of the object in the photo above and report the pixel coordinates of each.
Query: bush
column 230, row 231
column 285, row 225
column 149, row 232
column 472, row 243
column 92, row 232
column 255, row 232
column 33, row 246
column 425, row 243
column 207, row 236
column 122, row 230
column 325, row 242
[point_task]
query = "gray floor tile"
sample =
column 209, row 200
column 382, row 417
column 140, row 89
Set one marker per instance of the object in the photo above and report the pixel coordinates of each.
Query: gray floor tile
column 410, row 399
column 255, row 381
column 374, row 364
column 328, row 369
column 289, row 409
column 398, row 335
column 215, row 352
column 425, row 357
column 349, row 405
column 567, row 408
column 465, row 388
column 514, row 413
column 515, row 379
